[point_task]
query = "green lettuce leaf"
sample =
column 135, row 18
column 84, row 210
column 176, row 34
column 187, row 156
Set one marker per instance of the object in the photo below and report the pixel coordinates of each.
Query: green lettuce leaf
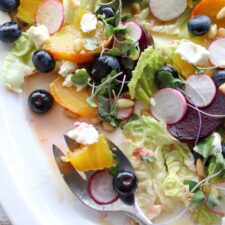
column 142, row 84
column 148, row 132
column 173, row 164
column 210, row 146
column 18, row 64
column 203, row 216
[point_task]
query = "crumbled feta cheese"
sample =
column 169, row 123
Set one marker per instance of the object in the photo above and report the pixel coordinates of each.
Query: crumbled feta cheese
column 193, row 53
column 152, row 102
column 38, row 35
column 67, row 68
column 91, row 44
column 68, row 82
column 84, row 134
column 4, row 17
column 88, row 22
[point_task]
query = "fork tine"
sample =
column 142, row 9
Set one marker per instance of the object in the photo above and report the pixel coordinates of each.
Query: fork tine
column 70, row 143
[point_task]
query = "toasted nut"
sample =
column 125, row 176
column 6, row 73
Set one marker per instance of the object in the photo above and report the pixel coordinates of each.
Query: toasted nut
column 200, row 168
column 206, row 188
column 222, row 88
column 214, row 191
column 108, row 127
column 221, row 14
column 124, row 103
column 77, row 46
column 95, row 121
column 221, row 31
column 145, row 112
column 135, row 8
column 213, row 31
column 76, row 3
column 70, row 114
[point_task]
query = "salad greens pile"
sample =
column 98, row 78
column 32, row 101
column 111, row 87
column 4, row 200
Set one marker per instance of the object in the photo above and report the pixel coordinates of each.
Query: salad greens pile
column 18, row 64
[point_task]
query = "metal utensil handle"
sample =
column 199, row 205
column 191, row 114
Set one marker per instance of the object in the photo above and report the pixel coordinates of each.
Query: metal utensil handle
column 136, row 213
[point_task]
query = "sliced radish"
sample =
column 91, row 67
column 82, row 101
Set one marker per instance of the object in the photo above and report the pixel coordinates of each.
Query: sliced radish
column 51, row 14
column 134, row 30
column 125, row 114
column 200, row 90
column 100, row 188
column 217, row 52
column 168, row 105
column 166, row 10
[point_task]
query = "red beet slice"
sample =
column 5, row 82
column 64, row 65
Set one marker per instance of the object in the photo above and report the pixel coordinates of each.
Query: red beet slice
column 187, row 129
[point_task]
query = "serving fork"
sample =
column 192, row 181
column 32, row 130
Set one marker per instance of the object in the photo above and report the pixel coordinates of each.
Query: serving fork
column 79, row 185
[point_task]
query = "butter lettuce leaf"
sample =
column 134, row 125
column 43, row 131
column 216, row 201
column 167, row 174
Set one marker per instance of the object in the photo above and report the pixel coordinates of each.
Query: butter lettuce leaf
column 148, row 132
column 142, row 84
column 18, row 64
column 173, row 164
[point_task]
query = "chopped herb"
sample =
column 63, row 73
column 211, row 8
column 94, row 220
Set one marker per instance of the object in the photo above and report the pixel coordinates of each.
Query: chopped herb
column 113, row 52
column 198, row 198
column 80, row 78
column 149, row 159
column 192, row 185
column 107, row 111
column 212, row 201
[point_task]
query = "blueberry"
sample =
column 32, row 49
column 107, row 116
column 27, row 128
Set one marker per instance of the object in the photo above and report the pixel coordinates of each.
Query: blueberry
column 219, row 78
column 9, row 5
column 164, row 76
column 40, row 101
column 125, row 183
column 43, row 61
column 10, row 32
column 103, row 66
column 199, row 25
column 107, row 12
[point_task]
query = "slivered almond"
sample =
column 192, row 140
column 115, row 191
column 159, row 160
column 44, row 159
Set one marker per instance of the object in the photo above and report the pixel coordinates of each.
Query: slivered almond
column 200, row 168
column 221, row 31
column 221, row 14
column 135, row 8
column 124, row 103
column 95, row 121
column 108, row 127
column 212, row 32
column 214, row 191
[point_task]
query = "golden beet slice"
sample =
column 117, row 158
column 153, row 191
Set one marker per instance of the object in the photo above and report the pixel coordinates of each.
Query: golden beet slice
column 71, row 99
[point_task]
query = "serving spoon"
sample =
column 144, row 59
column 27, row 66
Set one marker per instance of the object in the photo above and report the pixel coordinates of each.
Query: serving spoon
column 79, row 185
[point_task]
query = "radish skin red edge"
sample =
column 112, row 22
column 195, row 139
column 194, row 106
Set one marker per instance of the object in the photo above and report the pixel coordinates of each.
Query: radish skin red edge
column 125, row 114
column 51, row 14
column 100, row 188
column 166, row 10
column 169, row 105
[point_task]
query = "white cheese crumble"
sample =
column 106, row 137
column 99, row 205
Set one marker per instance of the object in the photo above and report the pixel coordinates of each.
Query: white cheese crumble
column 193, row 53
column 68, row 82
column 152, row 102
column 84, row 134
column 88, row 22
column 4, row 17
column 38, row 35
column 67, row 68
